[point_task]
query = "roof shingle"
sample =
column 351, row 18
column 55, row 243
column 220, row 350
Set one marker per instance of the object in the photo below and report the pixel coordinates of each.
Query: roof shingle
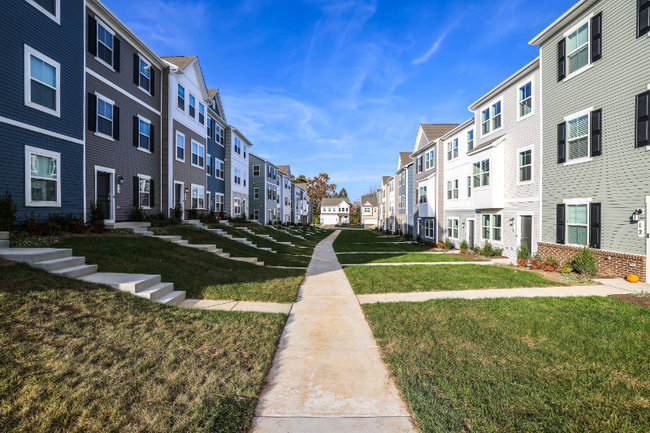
column 180, row 61
column 437, row 130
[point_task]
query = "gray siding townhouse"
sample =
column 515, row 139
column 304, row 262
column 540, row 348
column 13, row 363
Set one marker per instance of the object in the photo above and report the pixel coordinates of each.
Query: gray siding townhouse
column 391, row 198
column 237, row 150
column 184, row 135
column 216, row 167
column 124, row 115
column 369, row 211
column 305, row 203
column 286, row 197
column 42, row 106
column 429, row 199
column 404, row 190
column 383, row 203
column 263, row 191
column 505, row 176
column 596, row 106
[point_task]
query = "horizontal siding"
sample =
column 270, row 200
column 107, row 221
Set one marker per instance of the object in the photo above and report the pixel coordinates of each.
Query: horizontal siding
column 184, row 171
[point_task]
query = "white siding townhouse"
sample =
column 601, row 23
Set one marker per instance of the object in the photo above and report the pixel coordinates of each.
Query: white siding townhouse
column 334, row 211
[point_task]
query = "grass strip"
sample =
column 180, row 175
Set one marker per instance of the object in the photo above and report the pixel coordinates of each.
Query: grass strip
column 353, row 259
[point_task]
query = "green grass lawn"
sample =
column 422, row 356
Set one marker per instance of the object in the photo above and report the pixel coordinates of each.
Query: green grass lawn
column 424, row 278
column 82, row 357
column 266, row 243
column 201, row 274
column 370, row 241
column 353, row 259
column 310, row 241
column 519, row 365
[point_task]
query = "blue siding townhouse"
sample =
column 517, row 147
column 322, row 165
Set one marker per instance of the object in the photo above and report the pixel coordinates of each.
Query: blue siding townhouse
column 216, row 126
column 42, row 106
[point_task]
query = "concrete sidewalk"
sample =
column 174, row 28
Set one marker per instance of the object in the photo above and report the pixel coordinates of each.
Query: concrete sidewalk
column 327, row 375
column 226, row 305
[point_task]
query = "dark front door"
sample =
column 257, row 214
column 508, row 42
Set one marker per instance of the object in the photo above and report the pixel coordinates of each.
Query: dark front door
column 177, row 194
column 470, row 228
column 104, row 192
column 527, row 232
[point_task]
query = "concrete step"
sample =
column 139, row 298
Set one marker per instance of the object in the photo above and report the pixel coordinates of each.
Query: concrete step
column 126, row 225
column 267, row 249
column 181, row 242
column 33, row 255
column 156, row 291
column 76, row 271
column 133, row 283
column 224, row 222
column 224, row 255
column 210, row 248
column 4, row 236
column 260, row 263
column 193, row 222
column 287, row 243
column 4, row 244
column 173, row 298
column 170, row 238
column 245, row 259
column 56, row 264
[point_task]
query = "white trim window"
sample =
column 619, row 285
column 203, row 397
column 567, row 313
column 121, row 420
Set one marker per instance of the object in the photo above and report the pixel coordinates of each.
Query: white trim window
column 481, row 173
column 198, row 197
column 525, row 165
column 491, row 225
column 219, row 135
column 256, row 193
column 105, row 44
column 42, row 178
column 469, row 186
column 430, row 159
column 470, row 140
column 218, row 202
column 578, row 137
column 42, row 82
column 104, row 116
column 452, row 189
column 192, row 112
column 208, row 165
column 144, row 188
column 244, row 151
column 218, row 169
column 244, row 177
column 180, row 146
column 578, row 48
column 181, row 97
column 209, row 126
column 237, row 206
column 145, row 134
column 491, row 118
column 525, row 97
column 428, row 229
column 422, row 194
column 237, row 177
column 50, row 8
column 256, row 170
column 198, row 154
column 577, row 224
column 237, row 146
column 145, row 75
column 452, row 228
column 256, row 214
column 201, row 113
column 452, row 149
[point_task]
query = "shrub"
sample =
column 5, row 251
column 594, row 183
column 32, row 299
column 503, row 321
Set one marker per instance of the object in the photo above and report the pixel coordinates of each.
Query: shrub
column 97, row 227
column 464, row 246
column 487, row 250
column 138, row 214
column 8, row 209
column 193, row 214
column 209, row 218
column 523, row 253
column 566, row 269
column 408, row 236
column 96, row 213
column 449, row 244
column 178, row 211
column 63, row 220
column 77, row 227
column 52, row 229
column 522, row 262
column 23, row 240
column 122, row 232
column 551, row 264
column 585, row 262
column 32, row 225
column 418, row 239
column 498, row 252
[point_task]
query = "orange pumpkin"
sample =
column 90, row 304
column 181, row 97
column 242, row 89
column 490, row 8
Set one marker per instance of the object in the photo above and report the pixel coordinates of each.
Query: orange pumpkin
column 633, row 278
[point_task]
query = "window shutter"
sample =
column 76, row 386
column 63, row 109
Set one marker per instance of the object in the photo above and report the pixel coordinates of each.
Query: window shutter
column 136, row 191
column 560, row 222
column 594, row 225
column 116, row 123
column 152, row 194
column 136, row 130
column 116, row 54
column 561, row 142
column 136, row 69
column 596, row 132
column 92, row 35
column 643, row 17
column 596, row 37
column 561, row 60
column 152, row 83
column 152, row 137
column 92, row 112
column 642, row 119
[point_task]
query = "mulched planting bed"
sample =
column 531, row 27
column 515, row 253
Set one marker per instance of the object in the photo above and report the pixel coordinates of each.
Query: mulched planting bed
column 643, row 301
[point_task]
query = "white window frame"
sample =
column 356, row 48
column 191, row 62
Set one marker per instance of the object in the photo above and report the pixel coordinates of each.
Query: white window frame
column 144, row 177
column 221, row 202
column 57, row 7
column 99, row 134
column 219, row 169
column 491, row 227
column 199, row 145
column 189, row 106
column 532, row 160
column 472, row 141
column 530, row 80
column 29, row 150
column 583, row 21
column 481, row 175
column 490, row 120
column 176, row 147
column 208, row 163
column 576, row 202
column 208, row 124
column 258, row 171
column 97, row 42
column 452, row 228
column 256, row 214
column 144, row 59
column 237, row 145
column 218, row 128
column 256, row 193
column 140, row 118
column 586, row 112
column 201, row 114
column 199, row 198
column 29, row 51
column 184, row 98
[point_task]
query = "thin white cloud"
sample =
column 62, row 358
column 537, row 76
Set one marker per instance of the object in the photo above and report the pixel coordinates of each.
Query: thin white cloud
column 431, row 51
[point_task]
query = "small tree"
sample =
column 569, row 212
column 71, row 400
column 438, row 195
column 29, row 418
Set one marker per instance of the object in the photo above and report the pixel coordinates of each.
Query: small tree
column 96, row 213
column 8, row 210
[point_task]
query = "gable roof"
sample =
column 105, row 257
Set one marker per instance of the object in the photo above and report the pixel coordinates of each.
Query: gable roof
column 405, row 158
column 335, row 201
column 566, row 18
column 215, row 95
column 436, row 130
column 284, row 169
column 369, row 199
column 181, row 61
column 384, row 180
column 302, row 186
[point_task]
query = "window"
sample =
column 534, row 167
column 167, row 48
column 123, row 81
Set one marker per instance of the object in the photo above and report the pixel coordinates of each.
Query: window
column 525, row 99
column 181, row 97
column 237, row 146
column 367, row 210
column 144, row 188
column 218, row 134
column 469, row 186
column 428, row 229
column 105, row 38
column 237, row 178
column 491, row 225
column 491, row 118
column 237, row 206
column 470, row 140
column 201, row 113
column 42, row 82
column 192, row 106
column 145, row 75
column 481, row 173
column 104, row 116
column 244, row 151
column 496, row 228
column 578, row 48
column 209, row 126
column 256, row 170
column 643, row 18
column 218, row 202
column 452, row 149
column 430, row 159
column 577, row 224
column 198, row 154
column 244, row 178
column 578, row 137
column 145, row 133
column 452, row 189
column 422, row 193
column 208, row 165
column 256, row 193
column 180, row 147
column 49, row 7
column 43, row 178
column 198, row 194
column 419, row 164
column 525, row 166
column 256, row 214
column 452, row 228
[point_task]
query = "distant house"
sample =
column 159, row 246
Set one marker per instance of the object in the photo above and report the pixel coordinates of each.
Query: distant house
column 369, row 211
column 285, row 192
column 216, row 167
column 404, row 192
column 237, row 150
column 263, row 190
column 334, row 211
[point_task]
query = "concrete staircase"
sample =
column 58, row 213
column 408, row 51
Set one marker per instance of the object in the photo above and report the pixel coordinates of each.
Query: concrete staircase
column 199, row 224
column 60, row 261
column 4, row 240
column 138, row 228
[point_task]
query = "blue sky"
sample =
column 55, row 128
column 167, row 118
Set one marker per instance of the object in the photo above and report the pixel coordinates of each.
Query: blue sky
column 340, row 86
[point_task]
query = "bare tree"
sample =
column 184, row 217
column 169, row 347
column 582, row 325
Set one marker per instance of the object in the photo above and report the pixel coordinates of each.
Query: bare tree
column 372, row 192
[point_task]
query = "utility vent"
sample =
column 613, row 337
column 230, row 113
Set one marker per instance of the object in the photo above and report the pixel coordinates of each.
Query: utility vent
column 632, row 265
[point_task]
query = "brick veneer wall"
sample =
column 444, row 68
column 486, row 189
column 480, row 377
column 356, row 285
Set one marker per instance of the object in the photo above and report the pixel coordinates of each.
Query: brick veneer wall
column 609, row 263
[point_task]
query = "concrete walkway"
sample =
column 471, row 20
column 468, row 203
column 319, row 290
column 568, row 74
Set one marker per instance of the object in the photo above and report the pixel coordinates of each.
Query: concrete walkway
column 327, row 375
column 226, row 305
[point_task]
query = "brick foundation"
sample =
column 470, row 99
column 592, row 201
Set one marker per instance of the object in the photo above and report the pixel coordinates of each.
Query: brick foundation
column 609, row 263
